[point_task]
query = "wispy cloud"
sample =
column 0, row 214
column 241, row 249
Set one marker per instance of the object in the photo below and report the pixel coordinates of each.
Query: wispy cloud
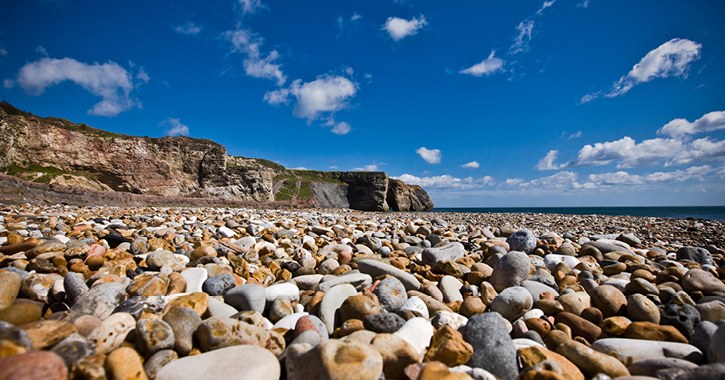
column 251, row 6
column 546, row 4
column 486, row 67
column 681, row 128
column 256, row 65
column 113, row 83
column 431, row 156
column 522, row 39
column 347, row 25
column 175, row 127
column 189, row 28
column 673, row 58
column 399, row 28
column 471, row 165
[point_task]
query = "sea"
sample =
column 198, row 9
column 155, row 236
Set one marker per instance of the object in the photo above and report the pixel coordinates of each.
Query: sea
column 681, row 212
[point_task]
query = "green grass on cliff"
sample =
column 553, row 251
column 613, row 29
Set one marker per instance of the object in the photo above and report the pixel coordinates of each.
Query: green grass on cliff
column 297, row 183
column 47, row 172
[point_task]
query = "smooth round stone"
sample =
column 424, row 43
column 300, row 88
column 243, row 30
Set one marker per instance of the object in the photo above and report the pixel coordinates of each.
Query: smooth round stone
column 44, row 365
column 125, row 363
column 391, row 294
column 452, row 251
column 74, row 347
column 218, row 285
column 331, row 301
column 99, row 301
column 493, row 349
column 159, row 360
column 634, row 350
column 417, row 332
column 712, row 311
column 510, row 270
column 312, row 323
column 247, row 297
column 610, row 300
column 358, row 280
column 397, row 354
column 75, row 286
column 157, row 259
column 522, row 240
column 153, row 335
column 217, row 308
column 383, row 323
column 86, row 324
column 217, row 332
column 112, row 332
column 702, row 336
column 375, row 269
column 307, row 282
column 579, row 326
column 280, row 308
column 21, row 313
column 335, row 359
column 716, row 350
column 591, row 362
column 512, row 302
column 575, row 302
column 9, row 288
column 359, row 306
column 195, row 278
column 450, row 287
column 250, row 363
column 642, row 286
column 641, row 308
column 417, row 305
column 696, row 254
column 284, row 290
column 183, row 322
column 699, row 280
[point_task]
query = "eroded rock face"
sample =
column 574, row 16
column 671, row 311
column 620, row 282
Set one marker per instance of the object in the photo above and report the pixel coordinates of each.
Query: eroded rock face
column 403, row 197
column 178, row 166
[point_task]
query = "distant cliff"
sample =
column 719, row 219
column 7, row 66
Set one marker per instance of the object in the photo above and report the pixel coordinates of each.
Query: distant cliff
column 58, row 152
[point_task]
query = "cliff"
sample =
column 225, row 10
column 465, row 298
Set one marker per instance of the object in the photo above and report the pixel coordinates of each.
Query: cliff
column 58, row 152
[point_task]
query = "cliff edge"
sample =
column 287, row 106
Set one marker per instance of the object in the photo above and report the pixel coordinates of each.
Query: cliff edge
column 55, row 151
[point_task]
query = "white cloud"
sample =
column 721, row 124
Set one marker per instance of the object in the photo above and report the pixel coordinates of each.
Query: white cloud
column 431, row 156
column 521, row 42
column 447, row 182
column 672, row 58
column 142, row 75
column 547, row 163
column 546, row 4
column 3, row 51
column 175, row 127
column 341, row 128
column 257, row 66
column 355, row 16
column 42, row 51
column 624, row 178
column 575, row 135
column 343, row 24
column 325, row 95
column 189, row 28
column 332, row 167
column 488, row 66
column 8, row 83
column 680, row 128
column 583, row 4
column 704, row 149
column 251, row 6
column 627, row 151
column 472, row 165
column 399, row 28
column 367, row 168
column 300, row 168
column 109, row 81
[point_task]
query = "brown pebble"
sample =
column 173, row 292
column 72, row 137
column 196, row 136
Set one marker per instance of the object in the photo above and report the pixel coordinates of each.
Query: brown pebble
column 43, row 365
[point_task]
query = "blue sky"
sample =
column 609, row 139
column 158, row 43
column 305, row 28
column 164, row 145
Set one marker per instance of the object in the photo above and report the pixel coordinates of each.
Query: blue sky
column 483, row 103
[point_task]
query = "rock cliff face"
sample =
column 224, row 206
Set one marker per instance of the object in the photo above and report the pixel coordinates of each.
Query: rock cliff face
column 57, row 151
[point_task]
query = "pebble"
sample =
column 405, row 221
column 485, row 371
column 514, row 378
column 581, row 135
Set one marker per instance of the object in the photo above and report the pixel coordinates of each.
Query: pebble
column 512, row 302
column 247, row 297
column 510, row 270
column 493, row 349
column 250, row 363
column 44, row 365
column 176, row 284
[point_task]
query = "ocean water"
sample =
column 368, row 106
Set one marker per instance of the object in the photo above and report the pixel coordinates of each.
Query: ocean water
column 680, row 212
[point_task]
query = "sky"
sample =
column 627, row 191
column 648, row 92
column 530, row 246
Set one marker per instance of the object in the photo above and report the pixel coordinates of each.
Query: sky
column 483, row 103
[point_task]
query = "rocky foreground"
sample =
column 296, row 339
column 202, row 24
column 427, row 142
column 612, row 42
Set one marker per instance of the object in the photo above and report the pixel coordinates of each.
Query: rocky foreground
column 221, row 293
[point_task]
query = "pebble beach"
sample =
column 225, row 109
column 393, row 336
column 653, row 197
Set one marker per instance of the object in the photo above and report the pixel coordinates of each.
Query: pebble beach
column 230, row 293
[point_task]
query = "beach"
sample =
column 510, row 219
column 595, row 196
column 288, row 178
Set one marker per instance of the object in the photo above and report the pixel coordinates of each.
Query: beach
column 182, row 293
